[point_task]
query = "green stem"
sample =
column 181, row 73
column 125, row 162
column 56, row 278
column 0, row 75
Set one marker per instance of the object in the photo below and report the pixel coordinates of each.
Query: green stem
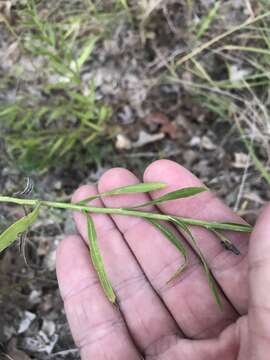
column 127, row 212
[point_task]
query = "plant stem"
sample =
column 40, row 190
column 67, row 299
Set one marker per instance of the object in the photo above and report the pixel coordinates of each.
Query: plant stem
column 128, row 212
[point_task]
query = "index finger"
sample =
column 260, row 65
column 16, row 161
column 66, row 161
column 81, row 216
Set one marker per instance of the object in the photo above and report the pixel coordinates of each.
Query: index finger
column 229, row 270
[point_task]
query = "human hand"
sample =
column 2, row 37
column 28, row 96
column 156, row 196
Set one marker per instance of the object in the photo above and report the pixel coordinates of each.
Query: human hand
column 154, row 320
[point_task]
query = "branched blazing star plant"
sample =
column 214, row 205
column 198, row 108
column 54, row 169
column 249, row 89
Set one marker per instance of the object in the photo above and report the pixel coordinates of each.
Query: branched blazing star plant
column 183, row 224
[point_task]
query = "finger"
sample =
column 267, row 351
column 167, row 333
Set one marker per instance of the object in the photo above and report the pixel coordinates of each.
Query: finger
column 229, row 270
column 226, row 346
column 97, row 327
column 149, row 322
column 259, row 281
column 189, row 299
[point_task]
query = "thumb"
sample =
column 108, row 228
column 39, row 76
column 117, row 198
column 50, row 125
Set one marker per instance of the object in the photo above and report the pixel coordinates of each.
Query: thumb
column 259, row 288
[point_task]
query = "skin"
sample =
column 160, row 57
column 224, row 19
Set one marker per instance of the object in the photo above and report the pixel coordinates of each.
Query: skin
column 154, row 320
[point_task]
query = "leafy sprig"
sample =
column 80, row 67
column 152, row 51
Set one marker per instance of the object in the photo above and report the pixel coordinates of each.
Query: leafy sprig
column 183, row 224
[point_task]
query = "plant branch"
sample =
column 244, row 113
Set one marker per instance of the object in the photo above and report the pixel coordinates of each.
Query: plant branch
column 128, row 212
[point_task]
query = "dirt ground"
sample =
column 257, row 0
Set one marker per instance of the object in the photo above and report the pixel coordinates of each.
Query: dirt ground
column 151, row 120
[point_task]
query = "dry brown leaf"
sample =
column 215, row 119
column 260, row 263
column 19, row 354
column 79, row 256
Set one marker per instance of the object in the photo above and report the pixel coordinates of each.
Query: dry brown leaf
column 167, row 127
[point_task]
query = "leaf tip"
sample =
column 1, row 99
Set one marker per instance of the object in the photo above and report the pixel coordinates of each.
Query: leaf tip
column 177, row 274
column 113, row 299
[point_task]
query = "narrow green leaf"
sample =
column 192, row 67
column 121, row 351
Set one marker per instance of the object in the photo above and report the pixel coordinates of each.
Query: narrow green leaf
column 228, row 226
column 258, row 164
column 97, row 260
column 212, row 284
column 137, row 188
column 210, row 278
column 86, row 52
column 176, row 242
column 19, row 227
column 130, row 189
column 215, row 224
column 174, row 195
column 55, row 147
column 208, row 19
column 124, row 4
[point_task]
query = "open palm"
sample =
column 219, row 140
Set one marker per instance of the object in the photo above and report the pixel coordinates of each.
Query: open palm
column 154, row 320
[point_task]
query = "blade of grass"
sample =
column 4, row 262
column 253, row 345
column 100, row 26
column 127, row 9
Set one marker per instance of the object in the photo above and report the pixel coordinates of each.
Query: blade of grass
column 225, row 226
column 124, row 4
column 246, row 49
column 208, row 19
column 19, row 227
column 97, row 260
column 220, row 37
column 174, row 195
column 130, row 189
column 176, row 242
column 210, row 278
column 86, row 52
column 258, row 164
column 203, row 72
